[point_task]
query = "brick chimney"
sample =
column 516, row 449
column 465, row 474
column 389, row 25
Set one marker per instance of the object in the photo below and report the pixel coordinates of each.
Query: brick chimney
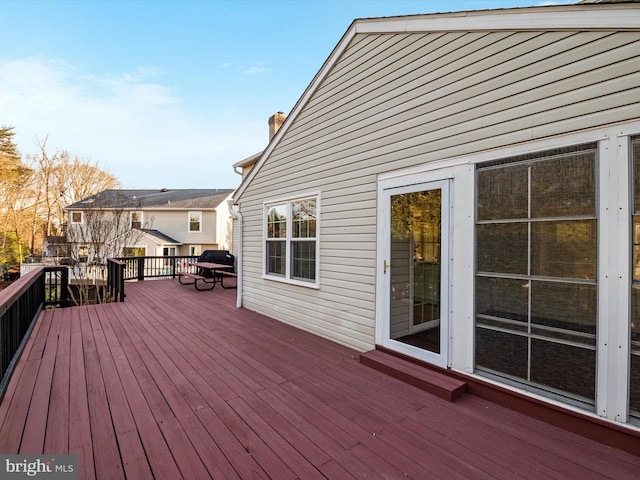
column 275, row 122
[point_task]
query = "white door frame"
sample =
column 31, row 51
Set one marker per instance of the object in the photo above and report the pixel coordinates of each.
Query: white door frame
column 393, row 185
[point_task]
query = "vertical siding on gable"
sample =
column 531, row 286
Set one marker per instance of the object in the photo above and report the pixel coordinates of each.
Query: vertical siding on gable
column 399, row 100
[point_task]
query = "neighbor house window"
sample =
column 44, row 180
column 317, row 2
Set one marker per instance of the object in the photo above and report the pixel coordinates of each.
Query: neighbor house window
column 76, row 217
column 634, row 385
column 291, row 240
column 136, row 219
column 134, row 251
column 83, row 253
column 194, row 250
column 536, row 291
column 195, row 221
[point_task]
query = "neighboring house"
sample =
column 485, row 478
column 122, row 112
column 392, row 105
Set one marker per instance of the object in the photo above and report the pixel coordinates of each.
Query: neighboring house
column 456, row 188
column 160, row 222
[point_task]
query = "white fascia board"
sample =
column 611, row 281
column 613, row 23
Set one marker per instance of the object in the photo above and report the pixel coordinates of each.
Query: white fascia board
column 583, row 17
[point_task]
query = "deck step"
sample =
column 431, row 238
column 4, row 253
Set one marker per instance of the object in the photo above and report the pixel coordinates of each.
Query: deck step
column 426, row 379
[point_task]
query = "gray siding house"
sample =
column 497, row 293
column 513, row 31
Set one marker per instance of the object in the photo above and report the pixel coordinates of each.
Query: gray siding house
column 464, row 189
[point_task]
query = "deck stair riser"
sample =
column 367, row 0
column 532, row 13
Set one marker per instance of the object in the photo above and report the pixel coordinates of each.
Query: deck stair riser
column 431, row 381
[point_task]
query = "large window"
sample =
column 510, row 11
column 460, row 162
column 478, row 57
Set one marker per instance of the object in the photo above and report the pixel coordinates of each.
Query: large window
column 291, row 240
column 536, row 290
column 634, row 385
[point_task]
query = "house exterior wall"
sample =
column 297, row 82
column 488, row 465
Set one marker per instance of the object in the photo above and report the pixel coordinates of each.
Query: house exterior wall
column 401, row 100
column 176, row 225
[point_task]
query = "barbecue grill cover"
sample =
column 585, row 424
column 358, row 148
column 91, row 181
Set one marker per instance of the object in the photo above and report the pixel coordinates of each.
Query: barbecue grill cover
column 218, row 256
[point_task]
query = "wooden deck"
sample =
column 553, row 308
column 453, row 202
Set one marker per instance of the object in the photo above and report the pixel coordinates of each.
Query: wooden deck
column 175, row 383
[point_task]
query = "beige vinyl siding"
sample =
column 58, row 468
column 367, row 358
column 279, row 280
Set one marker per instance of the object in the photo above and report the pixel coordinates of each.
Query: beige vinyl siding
column 393, row 101
column 175, row 224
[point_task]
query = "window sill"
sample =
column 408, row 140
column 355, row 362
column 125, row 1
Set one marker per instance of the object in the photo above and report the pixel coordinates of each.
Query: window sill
column 299, row 283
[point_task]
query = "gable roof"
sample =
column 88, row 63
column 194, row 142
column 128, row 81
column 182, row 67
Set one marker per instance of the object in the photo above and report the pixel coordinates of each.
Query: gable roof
column 552, row 17
column 160, row 237
column 153, row 199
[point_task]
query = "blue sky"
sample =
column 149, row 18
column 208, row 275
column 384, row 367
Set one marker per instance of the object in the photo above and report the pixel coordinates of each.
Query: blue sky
column 164, row 93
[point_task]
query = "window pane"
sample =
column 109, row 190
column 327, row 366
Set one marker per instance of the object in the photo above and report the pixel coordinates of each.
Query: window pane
column 564, row 367
column 136, row 220
column 634, row 363
column 194, row 222
column 635, row 151
column 504, row 298
column 276, row 257
column 517, row 318
column 303, row 264
column 502, row 248
column 502, row 193
column 502, row 352
column 636, row 246
column 565, row 308
column 304, row 219
column 634, row 386
column 277, row 221
column 635, row 316
column 564, row 186
column 564, row 249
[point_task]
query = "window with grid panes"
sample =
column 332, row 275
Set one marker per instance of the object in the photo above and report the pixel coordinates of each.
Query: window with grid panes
column 291, row 240
column 536, row 258
column 634, row 364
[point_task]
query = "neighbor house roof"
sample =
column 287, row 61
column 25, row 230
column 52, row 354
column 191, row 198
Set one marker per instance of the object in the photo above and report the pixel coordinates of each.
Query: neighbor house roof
column 154, row 199
column 160, row 237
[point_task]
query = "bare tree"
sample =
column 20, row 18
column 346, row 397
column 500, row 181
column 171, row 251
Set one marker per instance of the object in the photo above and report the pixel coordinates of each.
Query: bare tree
column 63, row 180
column 102, row 233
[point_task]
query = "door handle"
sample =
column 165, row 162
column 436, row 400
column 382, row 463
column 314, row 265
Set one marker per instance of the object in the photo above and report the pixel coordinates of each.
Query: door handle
column 385, row 266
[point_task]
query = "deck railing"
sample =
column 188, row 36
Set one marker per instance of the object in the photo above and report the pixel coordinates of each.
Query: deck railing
column 122, row 269
column 115, row 279
column 140, row 268
column 20, row 305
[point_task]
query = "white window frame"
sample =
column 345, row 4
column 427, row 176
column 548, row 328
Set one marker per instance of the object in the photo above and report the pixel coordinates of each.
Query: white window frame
column 195, row 250
column 76, row 222
column 194, row 212
column 287, row 277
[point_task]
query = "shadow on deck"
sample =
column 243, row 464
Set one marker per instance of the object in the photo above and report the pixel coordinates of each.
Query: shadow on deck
column 176, row 383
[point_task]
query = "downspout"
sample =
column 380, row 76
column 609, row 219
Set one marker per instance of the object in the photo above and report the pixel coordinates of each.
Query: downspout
column 238, row 216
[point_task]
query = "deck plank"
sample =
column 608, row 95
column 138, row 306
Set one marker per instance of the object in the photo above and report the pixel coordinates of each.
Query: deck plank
column 57, row 430
column 106, row 454
column 80, row 442
column 35, row 427
column 176, row 383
